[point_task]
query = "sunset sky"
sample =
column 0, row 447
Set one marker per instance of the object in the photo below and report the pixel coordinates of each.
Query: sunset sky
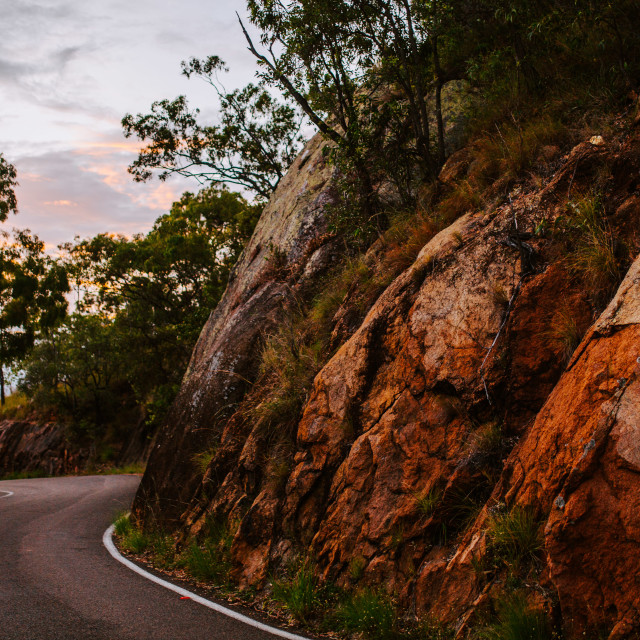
column 69, row 71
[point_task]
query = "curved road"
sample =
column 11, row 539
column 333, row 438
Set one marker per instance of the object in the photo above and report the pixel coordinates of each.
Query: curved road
column 58, row 582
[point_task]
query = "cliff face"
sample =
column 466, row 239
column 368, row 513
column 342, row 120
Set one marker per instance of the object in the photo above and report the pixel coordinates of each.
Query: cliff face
column 453, row 401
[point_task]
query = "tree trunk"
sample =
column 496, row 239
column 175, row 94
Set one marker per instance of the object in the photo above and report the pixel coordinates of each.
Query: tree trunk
column 2, row 398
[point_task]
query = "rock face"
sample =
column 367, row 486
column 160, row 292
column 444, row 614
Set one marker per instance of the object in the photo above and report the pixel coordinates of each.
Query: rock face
column 580, row 464
column 454, row 395
column 288, row 238
column 31, row 446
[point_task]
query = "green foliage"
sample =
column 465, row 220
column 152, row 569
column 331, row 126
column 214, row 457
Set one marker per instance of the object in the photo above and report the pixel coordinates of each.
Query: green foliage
column 24, row 475
column 8, row 183
column 299, row 595
column 368, row 612
column 357, row 565
column 203, row 459
column 210, row 560
column 140, row 305
column 122, row 524
column 594, row 257
column 32, row 296
column 514, row 537
column 135, row 540
column 517, row 621
column 289, row 362
column 254, row 144
column 16, row 407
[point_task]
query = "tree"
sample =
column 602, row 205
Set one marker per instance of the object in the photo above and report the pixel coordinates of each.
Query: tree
column 141, row 304
column 252, row 147
column 32, row 297
column 8, row 201
column 363, row 71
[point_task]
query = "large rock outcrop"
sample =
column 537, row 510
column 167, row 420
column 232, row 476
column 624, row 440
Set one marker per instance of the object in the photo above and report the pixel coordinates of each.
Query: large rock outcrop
column 28, row 446
column 452, row 396
column 288, row 239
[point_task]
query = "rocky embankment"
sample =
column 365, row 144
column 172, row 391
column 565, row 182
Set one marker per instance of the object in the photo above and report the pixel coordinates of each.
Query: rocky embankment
column 454, row 401
column 32, row 446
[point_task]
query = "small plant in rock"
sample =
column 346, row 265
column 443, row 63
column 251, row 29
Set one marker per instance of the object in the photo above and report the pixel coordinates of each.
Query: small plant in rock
column 595, row 256
column 203, row 459
column 368, row 612
column 516, row 620
column 488, row 441
column 514, row 537
column 499, row 294
column 564, row 333
column 427, row 501
column 461, row 506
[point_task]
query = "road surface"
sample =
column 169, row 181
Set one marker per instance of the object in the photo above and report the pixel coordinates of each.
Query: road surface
column 58, row 582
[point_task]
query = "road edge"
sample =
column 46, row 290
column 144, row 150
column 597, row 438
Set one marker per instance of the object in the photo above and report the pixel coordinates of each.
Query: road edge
column 107, row 541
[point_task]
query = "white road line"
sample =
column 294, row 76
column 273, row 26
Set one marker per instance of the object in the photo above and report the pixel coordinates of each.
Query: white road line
column 107, row 540
column 6, row 493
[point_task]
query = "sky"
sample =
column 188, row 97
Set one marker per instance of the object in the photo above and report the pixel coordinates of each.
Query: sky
column 69, row 71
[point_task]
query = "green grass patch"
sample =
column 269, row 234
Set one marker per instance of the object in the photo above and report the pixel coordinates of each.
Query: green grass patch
column 370, row 613
column 516, row 620
column 24, row 475
column 299, row 595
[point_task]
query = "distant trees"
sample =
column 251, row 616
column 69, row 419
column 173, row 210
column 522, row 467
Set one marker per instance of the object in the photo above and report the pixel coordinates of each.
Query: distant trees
column 8, row 202
column 141, row 304
column 252, row 146
column 32, row 297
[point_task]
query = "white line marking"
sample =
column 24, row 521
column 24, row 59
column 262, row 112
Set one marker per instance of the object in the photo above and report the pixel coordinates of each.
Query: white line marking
column 111, row 548
column 6, row 493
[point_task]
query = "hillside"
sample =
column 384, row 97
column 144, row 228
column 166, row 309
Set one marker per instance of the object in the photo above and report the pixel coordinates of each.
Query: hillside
column 487, row 395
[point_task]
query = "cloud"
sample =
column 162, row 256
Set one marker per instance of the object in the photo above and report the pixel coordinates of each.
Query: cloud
column 65, row 194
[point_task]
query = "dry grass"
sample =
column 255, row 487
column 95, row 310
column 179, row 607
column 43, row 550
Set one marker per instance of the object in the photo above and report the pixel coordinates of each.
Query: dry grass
column 564, row 333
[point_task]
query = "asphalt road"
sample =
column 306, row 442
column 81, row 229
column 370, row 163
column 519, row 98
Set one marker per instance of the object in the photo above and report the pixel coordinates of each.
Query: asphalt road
column 58, row 582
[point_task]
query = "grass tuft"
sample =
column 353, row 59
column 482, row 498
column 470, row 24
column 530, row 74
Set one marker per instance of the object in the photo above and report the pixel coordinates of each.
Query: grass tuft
column 514, row 537
column 299, row 595
column 518, row 621
column 427, row 501
column 370, row 613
